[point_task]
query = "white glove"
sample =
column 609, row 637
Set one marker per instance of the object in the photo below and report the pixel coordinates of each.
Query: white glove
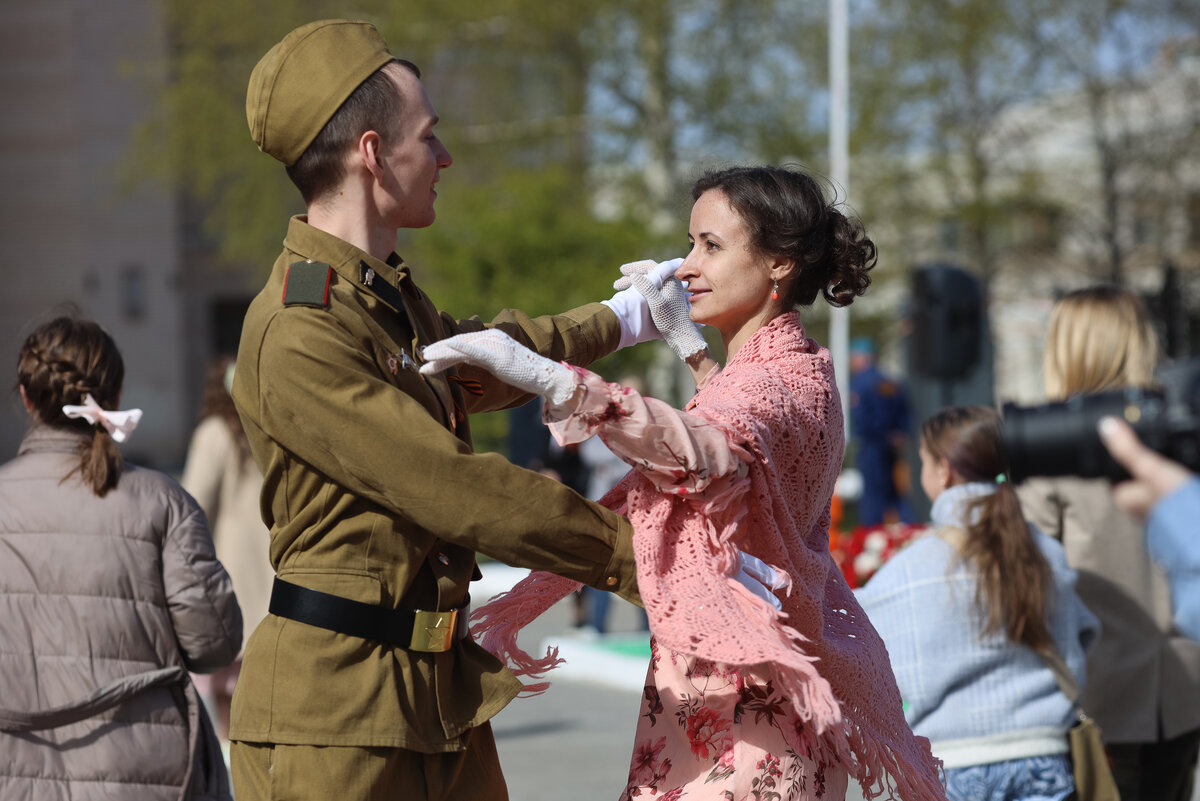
column 505, row 358
column 760, row 578
column 631, row 307
column 670, row 311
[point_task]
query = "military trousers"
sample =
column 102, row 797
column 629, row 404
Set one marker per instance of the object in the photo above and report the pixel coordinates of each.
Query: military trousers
column 275, row 772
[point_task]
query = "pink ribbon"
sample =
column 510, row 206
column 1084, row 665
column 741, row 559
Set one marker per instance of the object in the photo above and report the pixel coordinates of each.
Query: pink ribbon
column 119, row 424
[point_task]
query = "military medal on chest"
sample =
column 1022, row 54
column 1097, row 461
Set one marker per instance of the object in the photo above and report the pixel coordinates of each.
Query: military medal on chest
column 400, row 361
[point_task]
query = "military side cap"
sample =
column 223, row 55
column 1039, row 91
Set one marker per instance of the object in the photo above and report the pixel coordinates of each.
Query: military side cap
column 299, row 84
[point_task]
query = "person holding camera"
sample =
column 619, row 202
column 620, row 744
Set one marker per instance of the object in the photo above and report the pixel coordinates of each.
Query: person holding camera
column 1167, row 496
column 1143, row 675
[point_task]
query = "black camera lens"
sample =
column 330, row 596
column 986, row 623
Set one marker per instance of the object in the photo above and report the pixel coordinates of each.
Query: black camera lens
column 1061, row 439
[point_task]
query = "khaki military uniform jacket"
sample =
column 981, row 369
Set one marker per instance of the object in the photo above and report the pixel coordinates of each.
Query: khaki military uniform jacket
column 372, row 492
column 1143, row 675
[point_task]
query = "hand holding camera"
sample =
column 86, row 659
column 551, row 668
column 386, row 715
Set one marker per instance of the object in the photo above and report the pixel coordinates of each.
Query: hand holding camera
column 1153, row 476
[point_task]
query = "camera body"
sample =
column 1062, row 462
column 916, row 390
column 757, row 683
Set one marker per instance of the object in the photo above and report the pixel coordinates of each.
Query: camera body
column 1061, row 439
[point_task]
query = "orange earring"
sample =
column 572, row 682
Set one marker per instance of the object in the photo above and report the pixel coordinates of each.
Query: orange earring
column 775, row 291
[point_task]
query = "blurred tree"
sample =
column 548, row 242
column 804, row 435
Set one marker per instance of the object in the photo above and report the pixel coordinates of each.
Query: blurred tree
column 945, row 71
column 680, row 85
column 1124, row 62
column 982, row 95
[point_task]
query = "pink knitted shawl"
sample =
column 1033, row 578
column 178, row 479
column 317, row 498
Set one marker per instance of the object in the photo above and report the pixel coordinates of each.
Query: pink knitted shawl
column 777, row 398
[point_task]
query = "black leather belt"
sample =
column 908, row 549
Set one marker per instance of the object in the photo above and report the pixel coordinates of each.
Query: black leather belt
column 431, row 632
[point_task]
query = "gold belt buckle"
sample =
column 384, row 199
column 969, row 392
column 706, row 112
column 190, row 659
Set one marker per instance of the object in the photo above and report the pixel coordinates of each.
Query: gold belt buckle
column 433, row 632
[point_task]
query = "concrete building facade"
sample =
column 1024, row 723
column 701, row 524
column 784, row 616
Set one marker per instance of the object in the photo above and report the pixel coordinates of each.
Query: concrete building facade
column 80, row 227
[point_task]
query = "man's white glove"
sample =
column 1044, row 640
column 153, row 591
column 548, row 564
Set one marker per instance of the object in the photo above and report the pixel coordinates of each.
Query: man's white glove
column 760, row 578
column 505, row 358
column 631, row 306
column 669, row 307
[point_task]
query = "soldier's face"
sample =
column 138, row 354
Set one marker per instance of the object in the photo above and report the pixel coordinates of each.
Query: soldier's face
column 413, row 158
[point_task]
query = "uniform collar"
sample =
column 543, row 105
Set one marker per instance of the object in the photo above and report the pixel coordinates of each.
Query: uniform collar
column 348, row 261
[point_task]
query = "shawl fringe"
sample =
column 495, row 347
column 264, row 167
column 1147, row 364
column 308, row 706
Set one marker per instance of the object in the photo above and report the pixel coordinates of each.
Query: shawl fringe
column 496, row 624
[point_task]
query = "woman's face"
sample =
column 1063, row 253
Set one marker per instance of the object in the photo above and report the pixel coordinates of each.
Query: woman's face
column 729, row 284
column 934, row 474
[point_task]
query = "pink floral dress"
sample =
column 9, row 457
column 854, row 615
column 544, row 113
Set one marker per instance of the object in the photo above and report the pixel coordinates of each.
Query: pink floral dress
column 704, row 732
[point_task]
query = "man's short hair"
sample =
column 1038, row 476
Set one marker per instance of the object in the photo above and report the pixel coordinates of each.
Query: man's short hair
column 375, row 105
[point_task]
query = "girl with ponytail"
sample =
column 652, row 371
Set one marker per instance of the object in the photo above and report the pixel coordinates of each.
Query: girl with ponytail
column 110, row 593
column 967, row 615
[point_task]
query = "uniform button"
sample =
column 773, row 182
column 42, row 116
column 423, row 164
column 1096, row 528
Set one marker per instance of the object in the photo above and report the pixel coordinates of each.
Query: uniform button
column 611, row 581
column 445, row 560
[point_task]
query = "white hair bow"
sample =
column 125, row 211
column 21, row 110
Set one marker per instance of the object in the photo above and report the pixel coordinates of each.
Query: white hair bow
column 119, row 424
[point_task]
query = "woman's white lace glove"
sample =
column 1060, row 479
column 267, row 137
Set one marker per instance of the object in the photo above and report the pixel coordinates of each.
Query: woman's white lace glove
column 630, row 305
column 505, row 358
column 668, row 304
column 760, row 578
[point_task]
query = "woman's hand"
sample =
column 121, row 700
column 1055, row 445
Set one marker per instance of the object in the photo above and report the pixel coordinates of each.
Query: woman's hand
column 1153, row 476
column 668, row 304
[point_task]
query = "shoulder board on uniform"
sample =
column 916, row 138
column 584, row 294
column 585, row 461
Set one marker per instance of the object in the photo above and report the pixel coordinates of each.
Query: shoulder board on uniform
column 307, row 284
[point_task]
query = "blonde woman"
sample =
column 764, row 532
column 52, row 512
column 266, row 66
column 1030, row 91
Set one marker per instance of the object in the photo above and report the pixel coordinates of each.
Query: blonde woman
column 1143, row 683
column 221, row 475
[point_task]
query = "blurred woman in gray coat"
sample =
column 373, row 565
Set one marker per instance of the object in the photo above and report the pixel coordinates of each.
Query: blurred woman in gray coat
column 109, row 593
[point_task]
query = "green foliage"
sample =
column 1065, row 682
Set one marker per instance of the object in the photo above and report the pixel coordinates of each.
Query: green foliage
column 527, row 241
column 545, row 106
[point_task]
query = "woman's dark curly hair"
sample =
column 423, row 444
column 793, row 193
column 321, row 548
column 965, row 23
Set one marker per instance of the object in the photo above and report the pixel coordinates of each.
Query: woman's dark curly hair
column 788, row 216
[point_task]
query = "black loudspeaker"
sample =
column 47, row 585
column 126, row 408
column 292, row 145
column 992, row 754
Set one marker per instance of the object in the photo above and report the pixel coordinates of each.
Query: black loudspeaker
column 947, row 312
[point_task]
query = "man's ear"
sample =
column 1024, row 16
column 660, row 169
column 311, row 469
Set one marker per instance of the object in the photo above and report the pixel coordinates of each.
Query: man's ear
column 368, row 151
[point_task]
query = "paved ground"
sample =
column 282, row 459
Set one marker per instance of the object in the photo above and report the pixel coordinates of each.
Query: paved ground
column 575, row 740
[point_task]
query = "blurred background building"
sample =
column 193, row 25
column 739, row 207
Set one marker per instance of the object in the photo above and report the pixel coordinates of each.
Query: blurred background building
column 78, row 226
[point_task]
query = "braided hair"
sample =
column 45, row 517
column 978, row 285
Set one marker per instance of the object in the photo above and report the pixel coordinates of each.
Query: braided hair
column 61, row 362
